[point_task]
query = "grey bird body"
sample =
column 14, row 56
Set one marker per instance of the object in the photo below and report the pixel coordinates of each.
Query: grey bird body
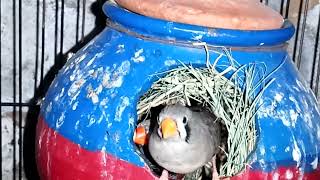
column 198, row 140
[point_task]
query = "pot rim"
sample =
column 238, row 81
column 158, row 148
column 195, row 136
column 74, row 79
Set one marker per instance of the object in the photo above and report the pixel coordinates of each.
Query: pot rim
column 158, row 28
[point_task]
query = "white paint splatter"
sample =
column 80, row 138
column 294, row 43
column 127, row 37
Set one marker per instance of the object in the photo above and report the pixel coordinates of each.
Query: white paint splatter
column 72, row 77
column 91, row 121
column 75, row 105
column 121, row 107
column 262, row 150
column 56, row 98
column 275, row 176
column 108, row 83
column 96, row 72
column 91, row 71
column 314, row 163
column 93, row 94
column 131, row 122
column 289, row 174
column 120, row 49
column 287, row 149
column 301, row 85
column 100, row 119
column 60, row 121
column 99, row 89
column 115, row 79
column 278, row 97
column 98, row 55
column 304, row 101
column 293, row 99
column 104, row 102
column 267, row 110
column 81, row 58
column 254, row 157
column 76, row 126
column 91, row 61
column 61, row 93
column 75, row 87
column 296, row 153
column 294, row 116
column 104, row 150
column 198, row 37
column 94, row 98
column 106, row 137
column 296, row 88
column 308, row 119
column 138, row 57
column 170, row 62
column 116, row 136
column 297, row 105
column 49, row 107
column 80, row 137
column 285, row 121
column 55, row 84
column 74, row 97
column 273, row 149
column 262, row 164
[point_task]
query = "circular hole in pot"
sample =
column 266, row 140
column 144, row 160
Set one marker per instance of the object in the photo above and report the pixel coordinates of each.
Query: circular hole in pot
column 206, row 172
column 230, row 99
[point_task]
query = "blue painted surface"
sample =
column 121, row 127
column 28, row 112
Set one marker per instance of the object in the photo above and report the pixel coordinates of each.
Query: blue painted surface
column 93, row 99
column 152, row 27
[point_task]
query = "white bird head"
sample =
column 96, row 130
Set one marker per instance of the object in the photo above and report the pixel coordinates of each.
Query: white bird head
column 173, row 122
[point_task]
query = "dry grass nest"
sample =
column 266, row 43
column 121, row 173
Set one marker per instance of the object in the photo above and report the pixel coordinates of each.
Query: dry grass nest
column 234, row 100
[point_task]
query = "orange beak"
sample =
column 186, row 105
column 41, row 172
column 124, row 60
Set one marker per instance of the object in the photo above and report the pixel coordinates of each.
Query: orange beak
column 168, row 128
column 140, row 136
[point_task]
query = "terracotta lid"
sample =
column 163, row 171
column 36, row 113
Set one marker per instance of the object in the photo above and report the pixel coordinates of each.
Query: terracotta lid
column 228, row 14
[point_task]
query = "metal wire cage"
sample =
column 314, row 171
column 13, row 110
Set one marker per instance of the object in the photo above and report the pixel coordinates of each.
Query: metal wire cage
column 38, row 37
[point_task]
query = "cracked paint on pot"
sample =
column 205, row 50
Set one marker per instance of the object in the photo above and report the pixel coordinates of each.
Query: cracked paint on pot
column 89, row 114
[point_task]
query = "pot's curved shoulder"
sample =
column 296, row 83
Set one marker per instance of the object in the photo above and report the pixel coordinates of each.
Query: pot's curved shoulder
column 231, row 14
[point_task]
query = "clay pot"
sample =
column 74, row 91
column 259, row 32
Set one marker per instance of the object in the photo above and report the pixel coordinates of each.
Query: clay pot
column 88, row 117
column 229, row 14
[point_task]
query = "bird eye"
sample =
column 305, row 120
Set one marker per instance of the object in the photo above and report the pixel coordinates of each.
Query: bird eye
column 184, row 120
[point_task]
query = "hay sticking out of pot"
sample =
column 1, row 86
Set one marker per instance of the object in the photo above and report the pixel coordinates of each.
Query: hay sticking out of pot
column 234, row 100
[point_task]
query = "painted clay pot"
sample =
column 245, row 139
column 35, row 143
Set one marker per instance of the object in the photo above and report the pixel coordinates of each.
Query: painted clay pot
column 88, row 116
column 231, row 14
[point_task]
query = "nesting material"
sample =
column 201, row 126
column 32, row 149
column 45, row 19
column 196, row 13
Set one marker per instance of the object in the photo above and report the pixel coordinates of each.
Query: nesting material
column 234, row 100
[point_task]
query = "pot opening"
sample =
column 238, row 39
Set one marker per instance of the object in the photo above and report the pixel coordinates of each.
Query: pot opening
column 232, row 95
column 204, row 172
column 127, row 21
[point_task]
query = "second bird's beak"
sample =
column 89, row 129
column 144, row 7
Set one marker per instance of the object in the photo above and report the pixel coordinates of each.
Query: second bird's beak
column 168, row 128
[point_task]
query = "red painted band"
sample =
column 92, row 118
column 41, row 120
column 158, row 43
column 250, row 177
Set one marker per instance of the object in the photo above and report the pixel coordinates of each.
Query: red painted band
column 61, row 159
